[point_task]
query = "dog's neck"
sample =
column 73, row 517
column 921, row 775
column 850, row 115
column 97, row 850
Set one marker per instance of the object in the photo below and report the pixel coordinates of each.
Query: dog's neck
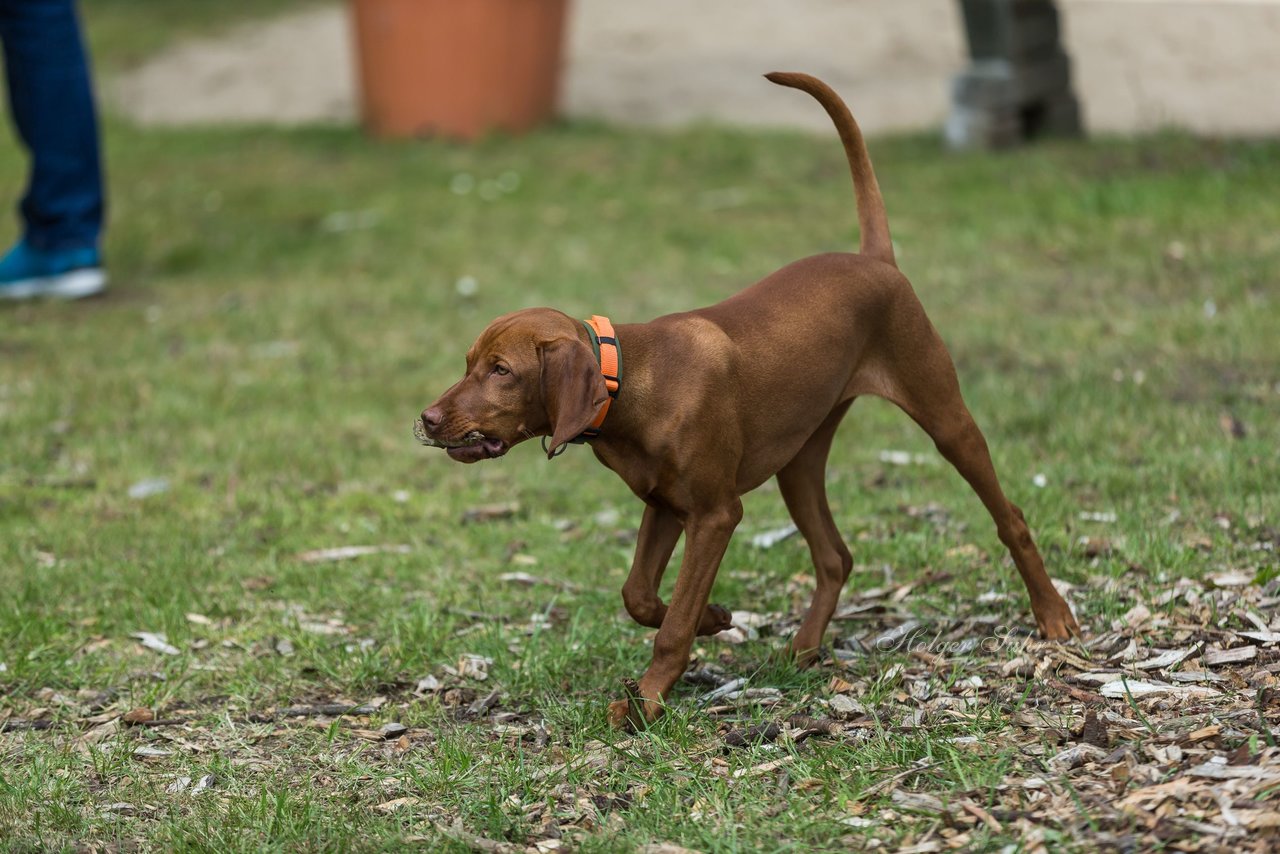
column 625, row 426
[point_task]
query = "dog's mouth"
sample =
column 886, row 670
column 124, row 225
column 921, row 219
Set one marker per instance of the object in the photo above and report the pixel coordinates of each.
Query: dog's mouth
column 472, row 447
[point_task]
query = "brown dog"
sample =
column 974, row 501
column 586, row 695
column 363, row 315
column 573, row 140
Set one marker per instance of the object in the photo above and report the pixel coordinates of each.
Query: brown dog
column 713, row 402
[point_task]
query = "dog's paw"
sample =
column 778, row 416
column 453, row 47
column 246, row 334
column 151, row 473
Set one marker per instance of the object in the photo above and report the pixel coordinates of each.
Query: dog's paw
column 1058, row 625
column 634, row 712
column 620, row 716
column 807, row 657
column 715, row 619
column 626, row 714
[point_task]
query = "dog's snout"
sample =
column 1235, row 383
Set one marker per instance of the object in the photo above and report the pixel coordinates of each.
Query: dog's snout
column 431, row 417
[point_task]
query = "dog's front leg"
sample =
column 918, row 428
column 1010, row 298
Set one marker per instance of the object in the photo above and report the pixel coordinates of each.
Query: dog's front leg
column 659, row 531
column 706, row 537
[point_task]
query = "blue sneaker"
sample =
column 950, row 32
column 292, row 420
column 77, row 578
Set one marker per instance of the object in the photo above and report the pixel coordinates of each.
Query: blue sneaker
column 26, row 273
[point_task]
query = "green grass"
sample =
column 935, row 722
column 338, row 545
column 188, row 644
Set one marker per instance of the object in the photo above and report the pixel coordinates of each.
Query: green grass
column 268, row 367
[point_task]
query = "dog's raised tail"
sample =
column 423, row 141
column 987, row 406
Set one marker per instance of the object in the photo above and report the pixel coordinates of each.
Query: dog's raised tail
column 872, row 220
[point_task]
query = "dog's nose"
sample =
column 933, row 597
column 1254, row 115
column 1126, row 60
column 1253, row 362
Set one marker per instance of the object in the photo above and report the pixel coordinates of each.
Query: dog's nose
column 431, row 417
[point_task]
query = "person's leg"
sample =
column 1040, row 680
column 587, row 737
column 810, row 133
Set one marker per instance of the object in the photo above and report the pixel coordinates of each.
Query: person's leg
column 51, row 98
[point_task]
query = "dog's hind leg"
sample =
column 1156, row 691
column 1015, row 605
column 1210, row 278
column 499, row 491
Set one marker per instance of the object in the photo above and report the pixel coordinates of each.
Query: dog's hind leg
column 925, row 386
column 803, row 485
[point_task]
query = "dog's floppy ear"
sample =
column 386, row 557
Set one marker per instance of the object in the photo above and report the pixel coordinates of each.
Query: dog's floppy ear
column 573, row 389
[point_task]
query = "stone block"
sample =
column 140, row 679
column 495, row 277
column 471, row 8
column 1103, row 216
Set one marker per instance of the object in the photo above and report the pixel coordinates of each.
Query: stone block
column 1058, row 116
column 972, row 127
column 1002, row 84
column 1009, row 29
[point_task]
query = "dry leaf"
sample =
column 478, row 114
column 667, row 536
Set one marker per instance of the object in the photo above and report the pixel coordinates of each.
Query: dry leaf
column 146, row 751
column 474, row 667
column 840, row 686
column 1167, row 659
column 1229, row 656
column 769, row 539
column 1135, row 688
column 528, row 580
column 1220, row 770
column 348, row 552
column 845, row 707
column 1231, row 579
column 1075, row 756
column 763, row 768
column 389, row 807
column 490, row 512
column 157, row 642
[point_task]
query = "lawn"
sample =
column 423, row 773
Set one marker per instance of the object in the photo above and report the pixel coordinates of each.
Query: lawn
column 284, row 303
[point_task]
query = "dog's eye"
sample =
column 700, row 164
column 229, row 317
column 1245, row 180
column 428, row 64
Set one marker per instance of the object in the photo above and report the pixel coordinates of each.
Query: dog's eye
column 500, row 370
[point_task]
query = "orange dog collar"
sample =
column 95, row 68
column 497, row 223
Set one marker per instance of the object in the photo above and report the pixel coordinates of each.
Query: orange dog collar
column 604, row 342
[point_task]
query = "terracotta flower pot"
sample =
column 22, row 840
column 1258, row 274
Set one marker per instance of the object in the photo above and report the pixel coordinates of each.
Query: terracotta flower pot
column 457, row 68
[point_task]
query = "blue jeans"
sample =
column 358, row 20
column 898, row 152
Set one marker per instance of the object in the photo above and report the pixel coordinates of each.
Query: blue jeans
column 51, row 98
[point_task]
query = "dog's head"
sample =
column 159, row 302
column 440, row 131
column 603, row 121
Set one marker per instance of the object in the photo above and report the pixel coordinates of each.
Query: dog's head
column 530, row 373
